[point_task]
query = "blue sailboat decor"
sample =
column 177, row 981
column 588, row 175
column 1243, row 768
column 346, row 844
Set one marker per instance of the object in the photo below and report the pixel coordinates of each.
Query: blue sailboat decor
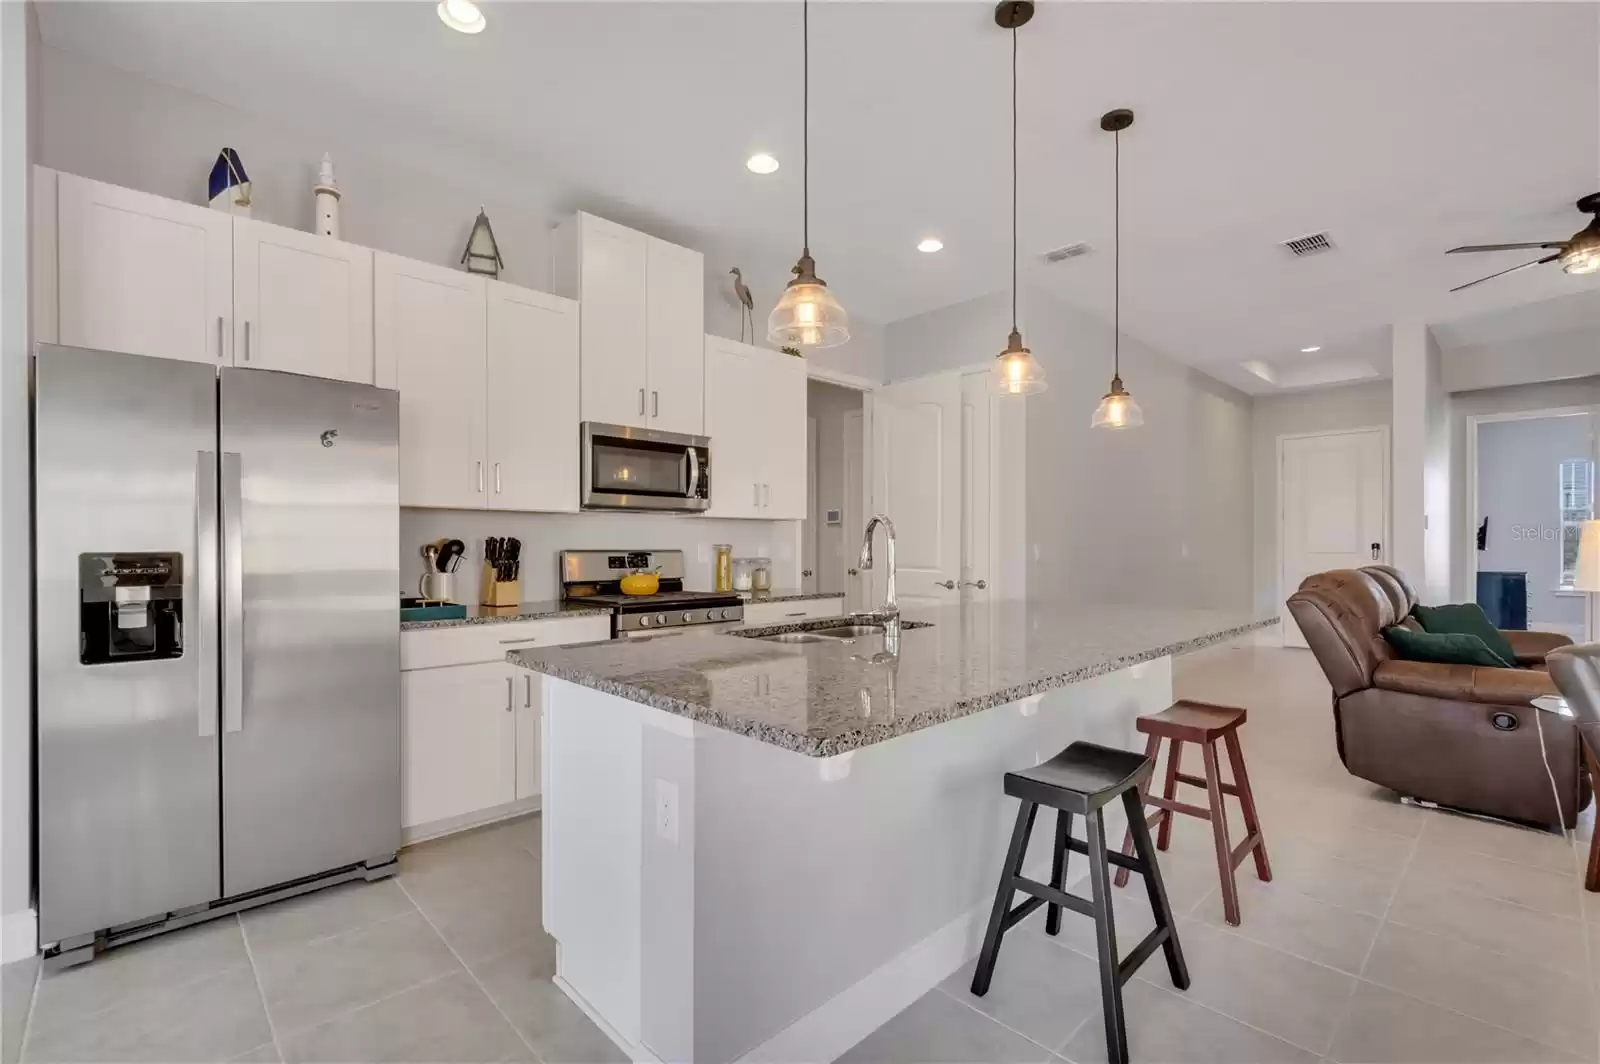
column 229, row 188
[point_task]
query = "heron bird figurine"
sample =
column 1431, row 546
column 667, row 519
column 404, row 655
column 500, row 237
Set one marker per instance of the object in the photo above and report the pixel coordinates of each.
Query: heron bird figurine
column 742, row 290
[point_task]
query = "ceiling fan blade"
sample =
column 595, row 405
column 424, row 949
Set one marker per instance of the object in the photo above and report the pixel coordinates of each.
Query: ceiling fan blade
column 1502, row 273
column 1507, row 247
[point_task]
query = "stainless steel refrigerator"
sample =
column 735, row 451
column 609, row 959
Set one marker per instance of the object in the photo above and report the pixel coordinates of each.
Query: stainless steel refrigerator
column 217, row 640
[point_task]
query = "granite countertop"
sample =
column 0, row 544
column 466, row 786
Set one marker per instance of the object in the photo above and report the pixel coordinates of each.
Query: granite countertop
column 526, row 611
column 787, row 595
column 826, row 698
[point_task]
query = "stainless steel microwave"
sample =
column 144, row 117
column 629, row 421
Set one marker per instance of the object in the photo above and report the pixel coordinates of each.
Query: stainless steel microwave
column 627, row 468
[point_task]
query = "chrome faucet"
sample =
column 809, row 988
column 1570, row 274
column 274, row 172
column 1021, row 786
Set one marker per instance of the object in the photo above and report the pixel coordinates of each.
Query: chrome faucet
column 889, row 612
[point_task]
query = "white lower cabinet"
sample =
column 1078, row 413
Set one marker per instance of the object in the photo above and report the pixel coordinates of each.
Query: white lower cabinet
column 797, row 610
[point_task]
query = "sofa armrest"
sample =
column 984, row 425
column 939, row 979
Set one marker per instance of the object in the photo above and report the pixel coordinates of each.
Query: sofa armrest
column 1531, row 647
column 1464, row 683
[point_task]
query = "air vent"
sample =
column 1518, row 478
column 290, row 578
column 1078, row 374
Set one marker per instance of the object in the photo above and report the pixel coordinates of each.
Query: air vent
column 1314, row 244
column 1066, row 251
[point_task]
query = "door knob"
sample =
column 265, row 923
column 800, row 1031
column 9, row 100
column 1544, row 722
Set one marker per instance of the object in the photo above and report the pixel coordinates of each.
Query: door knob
column 805, row 572
column 853, row 572
column 979, row 584
column 948, row 585
column 1377, row 549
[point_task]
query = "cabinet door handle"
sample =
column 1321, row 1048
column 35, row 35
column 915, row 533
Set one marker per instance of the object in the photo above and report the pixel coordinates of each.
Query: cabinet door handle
column 480, row 478
column 527, row 696
column 948, row 585
column 755, row 490
column 220, row 345
column 497, row 478
column 510, row 682
column 641, row 402
column 247, row 341
column 979, row 584
column 655, row 404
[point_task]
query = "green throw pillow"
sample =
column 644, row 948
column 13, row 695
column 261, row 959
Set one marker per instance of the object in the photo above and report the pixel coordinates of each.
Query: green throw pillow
column 1466, row 618
column 1455, row 648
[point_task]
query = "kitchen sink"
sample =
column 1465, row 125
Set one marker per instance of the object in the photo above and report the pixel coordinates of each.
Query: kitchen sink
column 847, row 631
column 798, row 637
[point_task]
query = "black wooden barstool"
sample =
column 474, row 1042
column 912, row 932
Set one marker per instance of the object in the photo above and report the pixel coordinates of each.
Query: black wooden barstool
column 1083, row 779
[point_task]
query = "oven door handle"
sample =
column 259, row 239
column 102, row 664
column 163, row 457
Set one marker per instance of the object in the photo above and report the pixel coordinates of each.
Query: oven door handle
column 694, row 472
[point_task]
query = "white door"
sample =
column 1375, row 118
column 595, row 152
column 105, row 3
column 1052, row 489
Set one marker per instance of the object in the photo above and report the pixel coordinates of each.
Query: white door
column 429, row 325
column 301, row 302
column 532, row 400
column 458, row 740
column 810, row 531
column 979, row 509
column 675, row 323
column 612, row 311
column 1333, row 494
column 143, row 274
column 916, row 465
column 855, row 450
column 779, row 409
column 734, row 426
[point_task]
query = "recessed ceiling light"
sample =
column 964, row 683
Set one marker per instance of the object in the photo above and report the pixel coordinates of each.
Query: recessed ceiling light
column 461, row 15
column 1311, row 350
column 930, row 244
column 761, row 163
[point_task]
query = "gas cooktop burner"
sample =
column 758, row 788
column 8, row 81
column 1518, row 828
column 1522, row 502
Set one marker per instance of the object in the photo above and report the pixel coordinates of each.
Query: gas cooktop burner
column 665, row 599
column 592, row 578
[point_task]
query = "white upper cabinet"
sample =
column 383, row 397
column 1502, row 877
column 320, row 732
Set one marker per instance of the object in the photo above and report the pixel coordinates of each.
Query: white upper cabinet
column 142, row 273
column 675, row 326
column 301, row 302
column 756, row 417
column 532, row 400
column 642, row 324
column 430, row 343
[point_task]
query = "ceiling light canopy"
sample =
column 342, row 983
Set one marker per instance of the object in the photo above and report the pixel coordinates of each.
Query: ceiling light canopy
column 761, row 163
column 1582, row 253
column 1016, row 371
column 1117, row 410
column 461, row 15
column 807, row 314
column 930, row 244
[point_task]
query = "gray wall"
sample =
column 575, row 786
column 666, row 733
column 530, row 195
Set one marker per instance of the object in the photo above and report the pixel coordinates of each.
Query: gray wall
column 1159, row 514
column 1548, row 357
column 1326, row 410
column 18, row 99
column 829, row 404
column 400, row 195
column 1518, row 463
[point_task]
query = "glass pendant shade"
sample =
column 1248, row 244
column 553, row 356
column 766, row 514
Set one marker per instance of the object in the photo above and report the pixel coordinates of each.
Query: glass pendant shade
column 1581, row 260
column 1117, row 410
column 461, row 15
column 1016, row 371
column 807, row 315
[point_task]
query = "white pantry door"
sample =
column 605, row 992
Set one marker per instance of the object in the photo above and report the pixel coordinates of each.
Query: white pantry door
column 916, row 478
column 1333, row 492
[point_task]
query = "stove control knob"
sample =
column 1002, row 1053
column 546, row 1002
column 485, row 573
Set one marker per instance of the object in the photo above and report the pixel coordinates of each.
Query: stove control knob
column 644, row 622
column 713, row 615
column 688, row 616
column 661, row 618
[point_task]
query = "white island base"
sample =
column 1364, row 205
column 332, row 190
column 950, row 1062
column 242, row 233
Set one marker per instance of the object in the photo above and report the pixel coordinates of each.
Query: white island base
column 718, row 898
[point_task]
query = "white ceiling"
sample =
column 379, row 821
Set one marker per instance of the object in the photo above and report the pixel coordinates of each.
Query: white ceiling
column 1403, row 129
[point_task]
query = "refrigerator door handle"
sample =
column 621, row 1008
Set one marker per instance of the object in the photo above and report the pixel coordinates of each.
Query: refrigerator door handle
column 205, row 582
column 232, row 595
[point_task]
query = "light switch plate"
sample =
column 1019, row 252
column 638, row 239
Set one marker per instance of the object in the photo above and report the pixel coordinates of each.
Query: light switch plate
column 667, row 811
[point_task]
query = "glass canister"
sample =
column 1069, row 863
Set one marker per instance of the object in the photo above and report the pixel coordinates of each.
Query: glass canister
column 722, row 567
column 743, row 573
column 761, row 574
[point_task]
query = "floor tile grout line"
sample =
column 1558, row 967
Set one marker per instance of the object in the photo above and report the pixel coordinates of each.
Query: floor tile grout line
column 261, row 991
column 475, row 980
column 939, row 986
column 27, row 1020
column 1541, row 1043
column 320, row 939
column 347, row 1013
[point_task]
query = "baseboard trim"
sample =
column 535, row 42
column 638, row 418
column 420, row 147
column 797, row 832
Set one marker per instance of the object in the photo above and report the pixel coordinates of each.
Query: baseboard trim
column 636, row 1053
column 467, row 821
column 19, row 936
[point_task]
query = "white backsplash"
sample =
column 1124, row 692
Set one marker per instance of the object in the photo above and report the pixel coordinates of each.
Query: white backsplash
column 543, row 535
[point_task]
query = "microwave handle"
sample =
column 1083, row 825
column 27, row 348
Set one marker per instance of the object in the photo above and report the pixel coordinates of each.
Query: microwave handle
column 694, row 472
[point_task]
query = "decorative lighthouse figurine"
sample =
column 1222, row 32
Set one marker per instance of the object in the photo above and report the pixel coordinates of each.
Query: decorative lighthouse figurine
column 327, row 193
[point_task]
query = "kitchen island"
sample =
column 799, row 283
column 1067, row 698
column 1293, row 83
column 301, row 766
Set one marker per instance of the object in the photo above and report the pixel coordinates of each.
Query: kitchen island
column 763, row 850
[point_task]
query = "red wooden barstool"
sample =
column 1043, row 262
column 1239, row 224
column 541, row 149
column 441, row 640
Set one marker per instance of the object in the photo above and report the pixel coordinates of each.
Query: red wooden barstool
column 1203, row 723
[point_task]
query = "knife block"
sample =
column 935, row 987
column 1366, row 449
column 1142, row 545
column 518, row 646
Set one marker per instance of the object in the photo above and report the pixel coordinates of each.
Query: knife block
column 492, row 592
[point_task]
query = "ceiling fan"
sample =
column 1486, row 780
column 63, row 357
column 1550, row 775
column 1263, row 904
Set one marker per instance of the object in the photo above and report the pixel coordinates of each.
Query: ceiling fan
column 1579, row 253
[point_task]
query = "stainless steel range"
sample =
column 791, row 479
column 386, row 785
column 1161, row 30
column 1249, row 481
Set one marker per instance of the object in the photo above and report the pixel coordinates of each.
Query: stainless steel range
column 593, row 578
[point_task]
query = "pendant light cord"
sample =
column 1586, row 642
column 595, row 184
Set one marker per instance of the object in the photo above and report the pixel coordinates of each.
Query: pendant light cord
column 1013, row 179
column 805, row 125
column 1116, row 272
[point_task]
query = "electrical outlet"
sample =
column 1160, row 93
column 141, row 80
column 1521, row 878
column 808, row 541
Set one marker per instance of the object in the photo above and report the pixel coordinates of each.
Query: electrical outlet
column 703, row 553
column 667, row 811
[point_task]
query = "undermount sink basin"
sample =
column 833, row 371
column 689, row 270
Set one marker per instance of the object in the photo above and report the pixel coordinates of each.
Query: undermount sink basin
column 797, row 637
column 848, row 631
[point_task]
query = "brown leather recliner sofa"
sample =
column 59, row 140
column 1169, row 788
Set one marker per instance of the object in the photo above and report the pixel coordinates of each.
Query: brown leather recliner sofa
column 1460, row 735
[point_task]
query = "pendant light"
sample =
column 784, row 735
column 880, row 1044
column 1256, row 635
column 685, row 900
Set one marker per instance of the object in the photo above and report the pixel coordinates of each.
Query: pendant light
column 1117, row 410
column 1015, row 370
column 807, row 315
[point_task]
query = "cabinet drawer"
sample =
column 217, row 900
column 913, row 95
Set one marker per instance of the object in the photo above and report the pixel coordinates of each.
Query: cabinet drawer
column 783, row 612
column 430, row 648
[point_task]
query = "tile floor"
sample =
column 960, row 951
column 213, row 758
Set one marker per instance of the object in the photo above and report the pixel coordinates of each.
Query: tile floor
column 1389, row 934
